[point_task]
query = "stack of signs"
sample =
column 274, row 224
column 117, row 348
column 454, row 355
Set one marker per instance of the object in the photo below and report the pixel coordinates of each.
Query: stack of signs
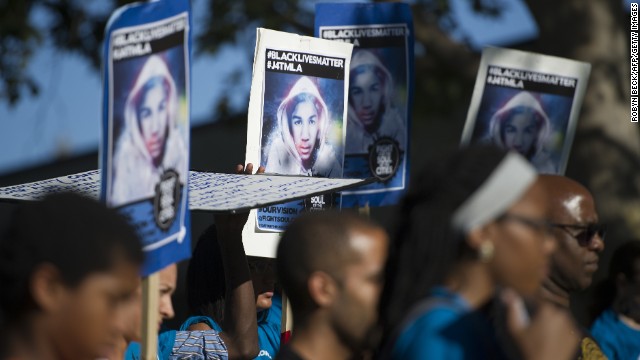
column 145, row 148
column 529, row 103
column 380, row 95
column 296, row 123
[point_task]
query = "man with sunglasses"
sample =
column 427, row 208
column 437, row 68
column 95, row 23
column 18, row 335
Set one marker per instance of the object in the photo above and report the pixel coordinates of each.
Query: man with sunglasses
column 580, row 240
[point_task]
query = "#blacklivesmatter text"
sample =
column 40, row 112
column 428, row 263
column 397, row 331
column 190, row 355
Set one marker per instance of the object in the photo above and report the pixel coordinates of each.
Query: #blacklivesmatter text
column 354, row 35
column 517, row 78
column 278, row 60
column 138, row 42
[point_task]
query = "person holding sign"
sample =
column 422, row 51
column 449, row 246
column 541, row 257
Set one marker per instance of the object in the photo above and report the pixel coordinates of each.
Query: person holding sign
column 206, row 294
column 300, row 146
column 371, row 112
column 151, row 144
column 522, row 125
column 237, row 337
column 473, row 231
column 69, row 270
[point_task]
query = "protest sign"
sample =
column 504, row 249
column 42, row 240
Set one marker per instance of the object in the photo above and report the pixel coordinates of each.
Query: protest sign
column 145, row 143
column 212, row 192
column 380, row 95
column 295, row 125
column 529, row 103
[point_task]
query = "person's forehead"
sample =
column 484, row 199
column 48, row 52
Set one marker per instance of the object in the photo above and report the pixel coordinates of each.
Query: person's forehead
column 577, row 207
column 169, row 275
column 366, row 241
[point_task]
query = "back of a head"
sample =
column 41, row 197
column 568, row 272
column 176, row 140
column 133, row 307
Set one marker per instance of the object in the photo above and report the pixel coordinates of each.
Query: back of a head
column 206, row 278
column 426, row 245
column 624, row 261
column 316, row 241
column 76, row 235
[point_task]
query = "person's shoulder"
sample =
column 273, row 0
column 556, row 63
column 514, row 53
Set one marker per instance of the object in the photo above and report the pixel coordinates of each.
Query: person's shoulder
column 424, row 337
column 434, row 319
column 192, row 320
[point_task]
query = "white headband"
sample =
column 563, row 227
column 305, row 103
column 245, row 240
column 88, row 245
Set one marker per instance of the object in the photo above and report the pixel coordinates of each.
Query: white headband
column 505, row 185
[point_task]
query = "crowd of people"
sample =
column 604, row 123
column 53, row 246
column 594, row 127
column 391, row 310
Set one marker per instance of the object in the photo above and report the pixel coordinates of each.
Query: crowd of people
column 481, row 264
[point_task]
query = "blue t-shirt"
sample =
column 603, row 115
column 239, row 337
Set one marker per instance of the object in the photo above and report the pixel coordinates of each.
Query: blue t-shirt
column 268, row 328
column 617, row 340
column 165, row 344
column 447, row 329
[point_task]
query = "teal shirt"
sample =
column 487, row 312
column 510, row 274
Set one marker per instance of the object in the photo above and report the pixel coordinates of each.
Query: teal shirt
column 268, row 328
column 448, row 329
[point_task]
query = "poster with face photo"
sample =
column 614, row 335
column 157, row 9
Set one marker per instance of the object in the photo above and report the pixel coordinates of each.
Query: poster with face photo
column 528, row 103
column 145, row 148
column 380, row 95
column 296, row 123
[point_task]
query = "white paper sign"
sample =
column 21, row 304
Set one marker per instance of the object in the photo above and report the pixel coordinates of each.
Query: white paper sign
column 208, row 191
column 296, row 123
column 529, row 103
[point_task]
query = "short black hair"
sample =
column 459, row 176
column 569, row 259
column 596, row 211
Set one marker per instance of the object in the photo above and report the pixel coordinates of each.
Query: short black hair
column 316, row 241
column 77, row 235
column 206, row 286
column 623, row 261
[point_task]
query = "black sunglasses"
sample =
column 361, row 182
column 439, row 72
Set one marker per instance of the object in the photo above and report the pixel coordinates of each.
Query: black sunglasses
column 587, row 232
column 539, row 225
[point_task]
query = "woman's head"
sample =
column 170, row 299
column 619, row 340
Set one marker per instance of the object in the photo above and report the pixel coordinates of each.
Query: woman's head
column 521, row 125
column 151, row 108
column 621, row 288
column 69, row 267
column 369, row 89
column 479, row 205
column 303, row 119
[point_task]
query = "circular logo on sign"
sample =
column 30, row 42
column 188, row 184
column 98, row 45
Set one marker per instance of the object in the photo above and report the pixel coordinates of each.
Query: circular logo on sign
column 384, row 157
column 165, row 203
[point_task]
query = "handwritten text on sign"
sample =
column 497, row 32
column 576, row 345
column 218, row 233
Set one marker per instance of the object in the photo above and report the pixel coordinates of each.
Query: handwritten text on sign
column 208, row 191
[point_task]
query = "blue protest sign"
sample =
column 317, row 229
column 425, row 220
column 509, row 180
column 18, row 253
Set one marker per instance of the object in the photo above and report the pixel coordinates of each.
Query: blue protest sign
column 380, row 95
column 145, row 143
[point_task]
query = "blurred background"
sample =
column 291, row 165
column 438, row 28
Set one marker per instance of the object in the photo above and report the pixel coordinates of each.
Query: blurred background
column 50, row 88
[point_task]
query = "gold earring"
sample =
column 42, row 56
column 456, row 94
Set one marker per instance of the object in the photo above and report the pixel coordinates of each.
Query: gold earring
column 486, row 251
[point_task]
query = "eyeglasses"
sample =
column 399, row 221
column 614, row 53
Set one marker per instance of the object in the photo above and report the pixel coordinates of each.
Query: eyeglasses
column 586, row 234
column 539, row 225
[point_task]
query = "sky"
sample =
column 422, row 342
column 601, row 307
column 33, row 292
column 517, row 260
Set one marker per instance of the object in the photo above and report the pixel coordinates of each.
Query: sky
column 64, row 120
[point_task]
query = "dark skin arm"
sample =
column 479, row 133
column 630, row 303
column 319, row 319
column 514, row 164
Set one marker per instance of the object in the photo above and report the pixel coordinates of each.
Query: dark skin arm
column 240, row 330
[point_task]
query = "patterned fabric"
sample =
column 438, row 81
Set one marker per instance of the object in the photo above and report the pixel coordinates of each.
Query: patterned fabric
column 199, row 345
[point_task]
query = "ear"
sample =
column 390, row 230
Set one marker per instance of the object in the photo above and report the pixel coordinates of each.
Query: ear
column 476, row 237
column 47, row 287
column 323, row 289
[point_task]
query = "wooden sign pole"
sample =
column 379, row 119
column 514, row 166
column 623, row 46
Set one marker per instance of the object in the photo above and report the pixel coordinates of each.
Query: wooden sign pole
column 287, row 318
column 150, row 299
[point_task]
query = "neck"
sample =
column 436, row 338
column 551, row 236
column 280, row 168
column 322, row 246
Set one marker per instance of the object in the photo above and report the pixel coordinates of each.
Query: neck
column 473, row 281
column 30, row 343
column 551, row 291
column 119, row 350
column 315, row 339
